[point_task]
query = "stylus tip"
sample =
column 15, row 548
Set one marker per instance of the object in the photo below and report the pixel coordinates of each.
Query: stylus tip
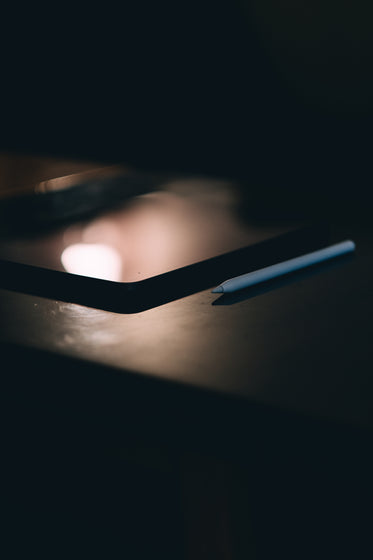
column 218, row 290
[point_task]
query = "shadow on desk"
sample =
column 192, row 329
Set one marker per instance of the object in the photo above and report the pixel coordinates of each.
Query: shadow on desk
column 111, row 464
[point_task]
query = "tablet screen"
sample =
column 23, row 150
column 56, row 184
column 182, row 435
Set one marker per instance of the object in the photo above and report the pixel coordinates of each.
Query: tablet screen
column 182, row 222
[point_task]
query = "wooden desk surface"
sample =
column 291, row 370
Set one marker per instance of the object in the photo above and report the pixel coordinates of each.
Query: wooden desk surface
column 302, row 344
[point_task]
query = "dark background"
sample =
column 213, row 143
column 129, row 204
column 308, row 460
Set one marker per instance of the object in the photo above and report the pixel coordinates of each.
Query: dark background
column 277, row 95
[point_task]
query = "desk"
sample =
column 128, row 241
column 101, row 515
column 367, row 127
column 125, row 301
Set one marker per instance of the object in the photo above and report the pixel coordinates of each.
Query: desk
column 260, row 404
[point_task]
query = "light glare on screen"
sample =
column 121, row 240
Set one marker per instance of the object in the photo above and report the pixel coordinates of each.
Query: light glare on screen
column 93, row 259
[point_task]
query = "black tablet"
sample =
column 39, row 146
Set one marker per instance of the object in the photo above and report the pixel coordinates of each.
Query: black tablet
column 145, row 247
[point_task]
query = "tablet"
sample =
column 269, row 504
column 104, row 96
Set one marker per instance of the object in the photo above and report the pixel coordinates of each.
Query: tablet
column 148, row 247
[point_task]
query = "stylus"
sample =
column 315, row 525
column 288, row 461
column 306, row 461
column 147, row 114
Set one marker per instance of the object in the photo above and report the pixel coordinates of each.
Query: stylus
column 285, row 267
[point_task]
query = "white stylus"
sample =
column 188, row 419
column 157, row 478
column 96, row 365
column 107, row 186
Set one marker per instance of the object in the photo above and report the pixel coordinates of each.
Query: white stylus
column 279, row 269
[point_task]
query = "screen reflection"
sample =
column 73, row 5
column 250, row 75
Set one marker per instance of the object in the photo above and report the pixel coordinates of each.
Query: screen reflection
column 93, row 259
column 185, row 222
